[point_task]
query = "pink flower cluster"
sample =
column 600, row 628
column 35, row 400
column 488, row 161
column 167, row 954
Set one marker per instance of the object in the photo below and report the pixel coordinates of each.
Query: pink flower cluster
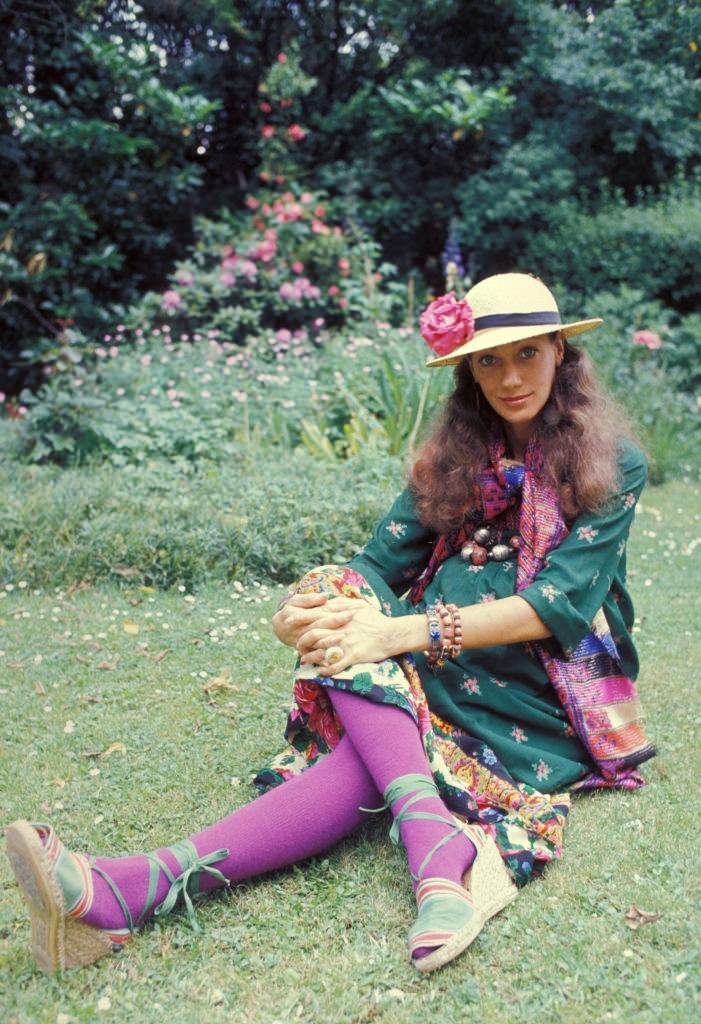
column 649, row 339
column 300, row 288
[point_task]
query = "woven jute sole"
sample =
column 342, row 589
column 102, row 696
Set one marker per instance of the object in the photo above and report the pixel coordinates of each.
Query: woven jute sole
column 58, row 942
column 492, row 889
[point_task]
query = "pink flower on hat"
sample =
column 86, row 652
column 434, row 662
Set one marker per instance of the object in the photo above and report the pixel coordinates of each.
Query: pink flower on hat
column 446, row 324
column 647, row 338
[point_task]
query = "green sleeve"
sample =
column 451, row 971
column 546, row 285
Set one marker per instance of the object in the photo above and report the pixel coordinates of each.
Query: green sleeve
column 578, row 575
column 399, row 548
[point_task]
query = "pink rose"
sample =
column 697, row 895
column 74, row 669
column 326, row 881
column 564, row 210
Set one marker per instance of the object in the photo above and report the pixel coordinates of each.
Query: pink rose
column 171, row 300
column 252, row 203
column 268, row 131
column 282, row 58
column 647, row 338
column 227, row 279
column 298, row 267
column 296, row 133
column 333, row 289
column 446, row 324
column 265, row 108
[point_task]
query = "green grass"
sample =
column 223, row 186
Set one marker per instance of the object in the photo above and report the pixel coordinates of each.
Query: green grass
column 325, row 942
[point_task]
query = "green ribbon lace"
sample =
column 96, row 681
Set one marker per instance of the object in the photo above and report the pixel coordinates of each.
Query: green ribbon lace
column 182, row 885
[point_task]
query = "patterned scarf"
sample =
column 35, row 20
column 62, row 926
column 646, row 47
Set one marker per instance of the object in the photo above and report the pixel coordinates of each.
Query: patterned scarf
column 601, row 702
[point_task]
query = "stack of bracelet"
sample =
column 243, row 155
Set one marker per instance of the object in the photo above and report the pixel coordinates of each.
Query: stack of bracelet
column 444, row 633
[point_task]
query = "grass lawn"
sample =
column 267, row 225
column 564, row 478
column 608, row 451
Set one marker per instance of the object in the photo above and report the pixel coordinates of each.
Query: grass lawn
column 123, row 673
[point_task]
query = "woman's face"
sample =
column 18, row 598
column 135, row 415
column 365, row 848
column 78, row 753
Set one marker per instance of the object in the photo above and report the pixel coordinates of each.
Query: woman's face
column 516, row 379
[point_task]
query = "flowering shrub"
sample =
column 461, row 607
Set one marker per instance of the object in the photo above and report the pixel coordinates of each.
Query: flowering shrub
column 648, row 357
column 280, row 265
column 150, row 394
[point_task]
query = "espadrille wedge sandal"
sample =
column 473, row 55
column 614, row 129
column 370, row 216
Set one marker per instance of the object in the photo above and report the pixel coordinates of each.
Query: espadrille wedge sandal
column 56, row 884
column 450, row 916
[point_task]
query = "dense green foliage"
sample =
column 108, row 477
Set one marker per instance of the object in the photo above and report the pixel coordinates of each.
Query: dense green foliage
column 552, row 136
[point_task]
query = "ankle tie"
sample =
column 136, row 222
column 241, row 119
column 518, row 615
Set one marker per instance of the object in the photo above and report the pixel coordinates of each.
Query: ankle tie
column 417, row 787
column 193, row 866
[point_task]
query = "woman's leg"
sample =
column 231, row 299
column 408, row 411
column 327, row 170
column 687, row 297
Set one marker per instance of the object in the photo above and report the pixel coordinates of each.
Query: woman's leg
column 388, row 742
column 295, row 820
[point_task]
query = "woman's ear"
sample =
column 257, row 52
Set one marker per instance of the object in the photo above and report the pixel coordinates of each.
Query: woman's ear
column 559, row 349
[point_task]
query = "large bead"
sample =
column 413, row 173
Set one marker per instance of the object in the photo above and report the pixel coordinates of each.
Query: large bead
column 515, row 542
column 479, row 556
column 500, row 552
column 482, row 535
column 465, row 551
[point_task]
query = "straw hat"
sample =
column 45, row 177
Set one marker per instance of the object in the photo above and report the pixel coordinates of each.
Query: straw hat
column 511, row 307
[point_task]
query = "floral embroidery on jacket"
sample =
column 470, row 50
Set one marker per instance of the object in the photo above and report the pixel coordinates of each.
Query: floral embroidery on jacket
column 587, row 533
column 541, row 769
column 396, row 529
column 470, row 684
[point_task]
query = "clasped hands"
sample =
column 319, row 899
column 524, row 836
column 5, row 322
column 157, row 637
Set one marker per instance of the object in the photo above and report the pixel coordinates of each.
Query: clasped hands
column 311, row 623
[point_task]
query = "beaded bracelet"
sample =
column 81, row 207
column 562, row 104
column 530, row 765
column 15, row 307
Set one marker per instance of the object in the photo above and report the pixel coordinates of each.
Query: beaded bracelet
column 456, row 647
column 448, row 632
column 433, row 653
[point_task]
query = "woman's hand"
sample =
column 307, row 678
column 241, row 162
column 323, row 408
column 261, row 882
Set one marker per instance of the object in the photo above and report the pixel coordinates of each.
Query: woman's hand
column 366, row 636
column 305, row 610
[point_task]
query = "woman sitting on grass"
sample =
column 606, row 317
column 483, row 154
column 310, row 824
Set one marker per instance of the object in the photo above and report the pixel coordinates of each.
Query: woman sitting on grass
column 467, row 670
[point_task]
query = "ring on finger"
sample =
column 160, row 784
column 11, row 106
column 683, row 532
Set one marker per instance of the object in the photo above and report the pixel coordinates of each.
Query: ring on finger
column 334, row 654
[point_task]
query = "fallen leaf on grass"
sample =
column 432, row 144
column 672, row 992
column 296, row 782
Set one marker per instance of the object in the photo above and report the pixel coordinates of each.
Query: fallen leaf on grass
column 14, row 664
column 69, row 727
column 109, row 666
column 162, row 654
column 87, row 698
column 127, row 571
column 82, row 660
column 130, row 627
column 198, row 641
column 220, row 682
column 636, row 918
column 39, row 688
column 112, row 749
column 85, row 584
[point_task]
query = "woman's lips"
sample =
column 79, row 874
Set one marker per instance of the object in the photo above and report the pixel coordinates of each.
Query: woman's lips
column 517, row 401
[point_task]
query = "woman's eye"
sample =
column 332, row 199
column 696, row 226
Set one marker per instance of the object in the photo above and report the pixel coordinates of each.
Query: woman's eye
column 528, row 352
column 486, row 360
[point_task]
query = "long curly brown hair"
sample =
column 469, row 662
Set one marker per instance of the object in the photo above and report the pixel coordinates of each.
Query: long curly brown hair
column 580, row 429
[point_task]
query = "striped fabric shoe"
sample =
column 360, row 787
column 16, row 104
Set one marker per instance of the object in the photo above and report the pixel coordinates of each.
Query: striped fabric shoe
column 57, row 887
column 451, row 916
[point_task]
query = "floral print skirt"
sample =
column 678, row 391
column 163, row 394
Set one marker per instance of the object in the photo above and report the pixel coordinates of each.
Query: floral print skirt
column 526, row 825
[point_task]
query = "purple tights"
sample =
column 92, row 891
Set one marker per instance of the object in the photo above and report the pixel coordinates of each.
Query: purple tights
column 306, row 815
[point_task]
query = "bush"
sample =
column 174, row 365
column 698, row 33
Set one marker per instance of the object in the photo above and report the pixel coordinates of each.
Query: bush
column 167, row 523
column 649, row 358
column 654, row 247
column 101, row 159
